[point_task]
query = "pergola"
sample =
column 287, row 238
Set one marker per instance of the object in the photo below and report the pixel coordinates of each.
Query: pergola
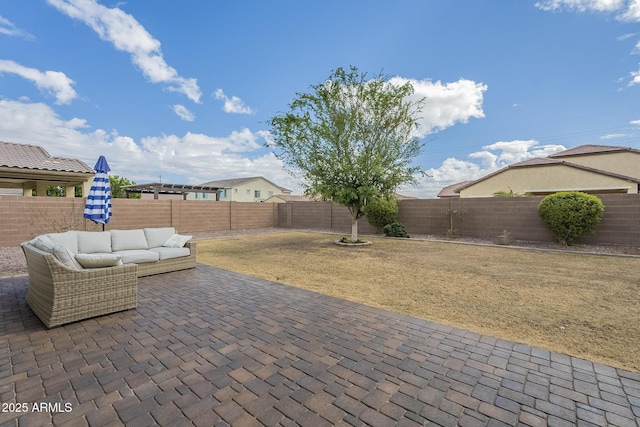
column 158, row 188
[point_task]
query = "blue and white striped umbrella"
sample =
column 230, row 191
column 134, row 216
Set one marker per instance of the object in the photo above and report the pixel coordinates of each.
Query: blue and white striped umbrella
column 98, row 207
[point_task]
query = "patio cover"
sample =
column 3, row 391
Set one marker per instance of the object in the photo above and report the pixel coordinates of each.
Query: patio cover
column 28, row 167
column 158, row 188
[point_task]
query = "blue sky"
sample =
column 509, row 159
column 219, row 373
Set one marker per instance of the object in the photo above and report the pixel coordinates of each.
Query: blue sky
column 183, row 90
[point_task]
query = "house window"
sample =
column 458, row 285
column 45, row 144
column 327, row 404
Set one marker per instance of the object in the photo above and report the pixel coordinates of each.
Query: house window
column 197, row 195
column 257, row 194
column 223, row 193
column 270, row 193
column 235, row 190
column 205, row 195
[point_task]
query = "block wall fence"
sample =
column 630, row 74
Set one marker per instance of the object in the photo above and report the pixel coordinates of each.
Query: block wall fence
column 485, row 218
column 22, row 218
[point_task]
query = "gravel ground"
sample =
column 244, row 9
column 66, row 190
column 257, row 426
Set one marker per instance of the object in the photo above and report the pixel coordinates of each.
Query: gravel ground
column 12, row 262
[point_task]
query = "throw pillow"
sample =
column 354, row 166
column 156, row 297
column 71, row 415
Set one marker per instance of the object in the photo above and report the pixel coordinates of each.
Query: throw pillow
column 66, row 257
column 99, row 260
column 177, row 241
column 43, row 243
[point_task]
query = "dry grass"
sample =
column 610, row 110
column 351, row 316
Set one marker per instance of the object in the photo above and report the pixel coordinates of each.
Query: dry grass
column 583, row 305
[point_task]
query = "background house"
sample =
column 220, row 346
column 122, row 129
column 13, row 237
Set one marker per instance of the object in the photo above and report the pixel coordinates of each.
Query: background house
column 594, row 169
column 253, row 189
column 24, row 168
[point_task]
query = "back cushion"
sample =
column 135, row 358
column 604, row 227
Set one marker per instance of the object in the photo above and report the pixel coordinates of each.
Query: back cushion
column 68, row 239
column 124, row 240
column 91, row 242
column 157, row 236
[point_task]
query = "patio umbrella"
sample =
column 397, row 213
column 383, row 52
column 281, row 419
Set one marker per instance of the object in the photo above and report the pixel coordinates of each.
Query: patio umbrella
column 98, row 207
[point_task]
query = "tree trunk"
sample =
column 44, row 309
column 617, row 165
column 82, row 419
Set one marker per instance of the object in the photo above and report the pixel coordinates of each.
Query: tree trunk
column 354, row 228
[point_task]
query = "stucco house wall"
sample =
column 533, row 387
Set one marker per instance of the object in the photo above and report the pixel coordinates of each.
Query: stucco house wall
column 597, row 169
column 257, row 189
column 548, row 179
column 623, row 162
column 248, row 192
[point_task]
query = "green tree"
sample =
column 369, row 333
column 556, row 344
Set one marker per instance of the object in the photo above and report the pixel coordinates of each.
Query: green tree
column 505, row 193
column 118, row 185
column 350, row 139
column 382, row 211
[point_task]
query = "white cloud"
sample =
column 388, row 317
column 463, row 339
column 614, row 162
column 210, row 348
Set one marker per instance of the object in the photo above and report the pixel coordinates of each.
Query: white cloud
column 54, row 82
column 128, row 35
column 188, row 159
column 491, row 158
column 445, row 104
column 183, row 113
column 9, row 29
column 632, row 14
column 232, row 105
column 581, row 5
column 635, row 122
column 628, row 10
column 615, row 136
column 626, row 36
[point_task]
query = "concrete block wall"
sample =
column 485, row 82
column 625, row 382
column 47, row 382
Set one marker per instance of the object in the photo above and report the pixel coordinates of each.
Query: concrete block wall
column 319, row 216
column 474, row 217
column 23, row 218
column 621, row 220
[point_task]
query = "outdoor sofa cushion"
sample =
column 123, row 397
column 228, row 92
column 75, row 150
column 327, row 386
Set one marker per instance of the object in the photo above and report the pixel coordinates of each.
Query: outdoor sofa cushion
column 69, row 239
column 168, row 253
column 137, row 256
column 99, row 260
column 124, row 240
column 157, row 236
column 61, row 252
column 90, row 242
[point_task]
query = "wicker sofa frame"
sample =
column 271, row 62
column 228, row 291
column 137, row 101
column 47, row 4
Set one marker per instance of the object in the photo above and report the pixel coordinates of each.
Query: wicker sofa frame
column 168, row 265
column 58, row 294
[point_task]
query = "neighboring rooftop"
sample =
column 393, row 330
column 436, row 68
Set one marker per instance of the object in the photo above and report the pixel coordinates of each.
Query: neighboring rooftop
column 452, row 190
column 24, row 156
column 591, row 149
column 234, row 182
column 30, row 167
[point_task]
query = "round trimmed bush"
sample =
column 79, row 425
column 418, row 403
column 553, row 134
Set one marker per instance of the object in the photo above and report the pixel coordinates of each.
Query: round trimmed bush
column 395, row 229
column 382, row 211
column 570, row 214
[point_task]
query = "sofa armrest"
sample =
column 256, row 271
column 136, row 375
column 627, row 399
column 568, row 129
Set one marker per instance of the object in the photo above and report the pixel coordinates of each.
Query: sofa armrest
column 58, row 294
column 191, row 244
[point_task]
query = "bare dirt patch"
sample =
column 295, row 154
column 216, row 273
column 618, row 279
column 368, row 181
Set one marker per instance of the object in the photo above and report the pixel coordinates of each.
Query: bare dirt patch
column 580, row 304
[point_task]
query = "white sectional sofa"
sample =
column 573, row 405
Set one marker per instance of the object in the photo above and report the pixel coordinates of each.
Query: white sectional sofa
column 80, row 274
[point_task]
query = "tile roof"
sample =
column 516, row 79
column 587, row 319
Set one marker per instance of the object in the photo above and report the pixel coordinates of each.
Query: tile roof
column 592, row 149
column 453, row 189
column 24, row 156
column 536, row 161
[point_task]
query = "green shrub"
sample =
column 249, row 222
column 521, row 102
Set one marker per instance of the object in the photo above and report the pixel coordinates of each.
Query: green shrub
column 395, row 229
column 570, row 214
column 382, row 211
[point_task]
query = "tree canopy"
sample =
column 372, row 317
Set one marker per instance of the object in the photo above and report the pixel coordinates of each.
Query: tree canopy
column 118, row 184
column 350, row 139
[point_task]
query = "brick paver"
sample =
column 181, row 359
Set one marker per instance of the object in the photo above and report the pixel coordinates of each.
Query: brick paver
column 210, row 347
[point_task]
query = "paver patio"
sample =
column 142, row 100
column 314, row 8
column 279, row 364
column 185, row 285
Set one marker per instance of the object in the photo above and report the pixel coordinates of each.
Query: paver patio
column 211, row 347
